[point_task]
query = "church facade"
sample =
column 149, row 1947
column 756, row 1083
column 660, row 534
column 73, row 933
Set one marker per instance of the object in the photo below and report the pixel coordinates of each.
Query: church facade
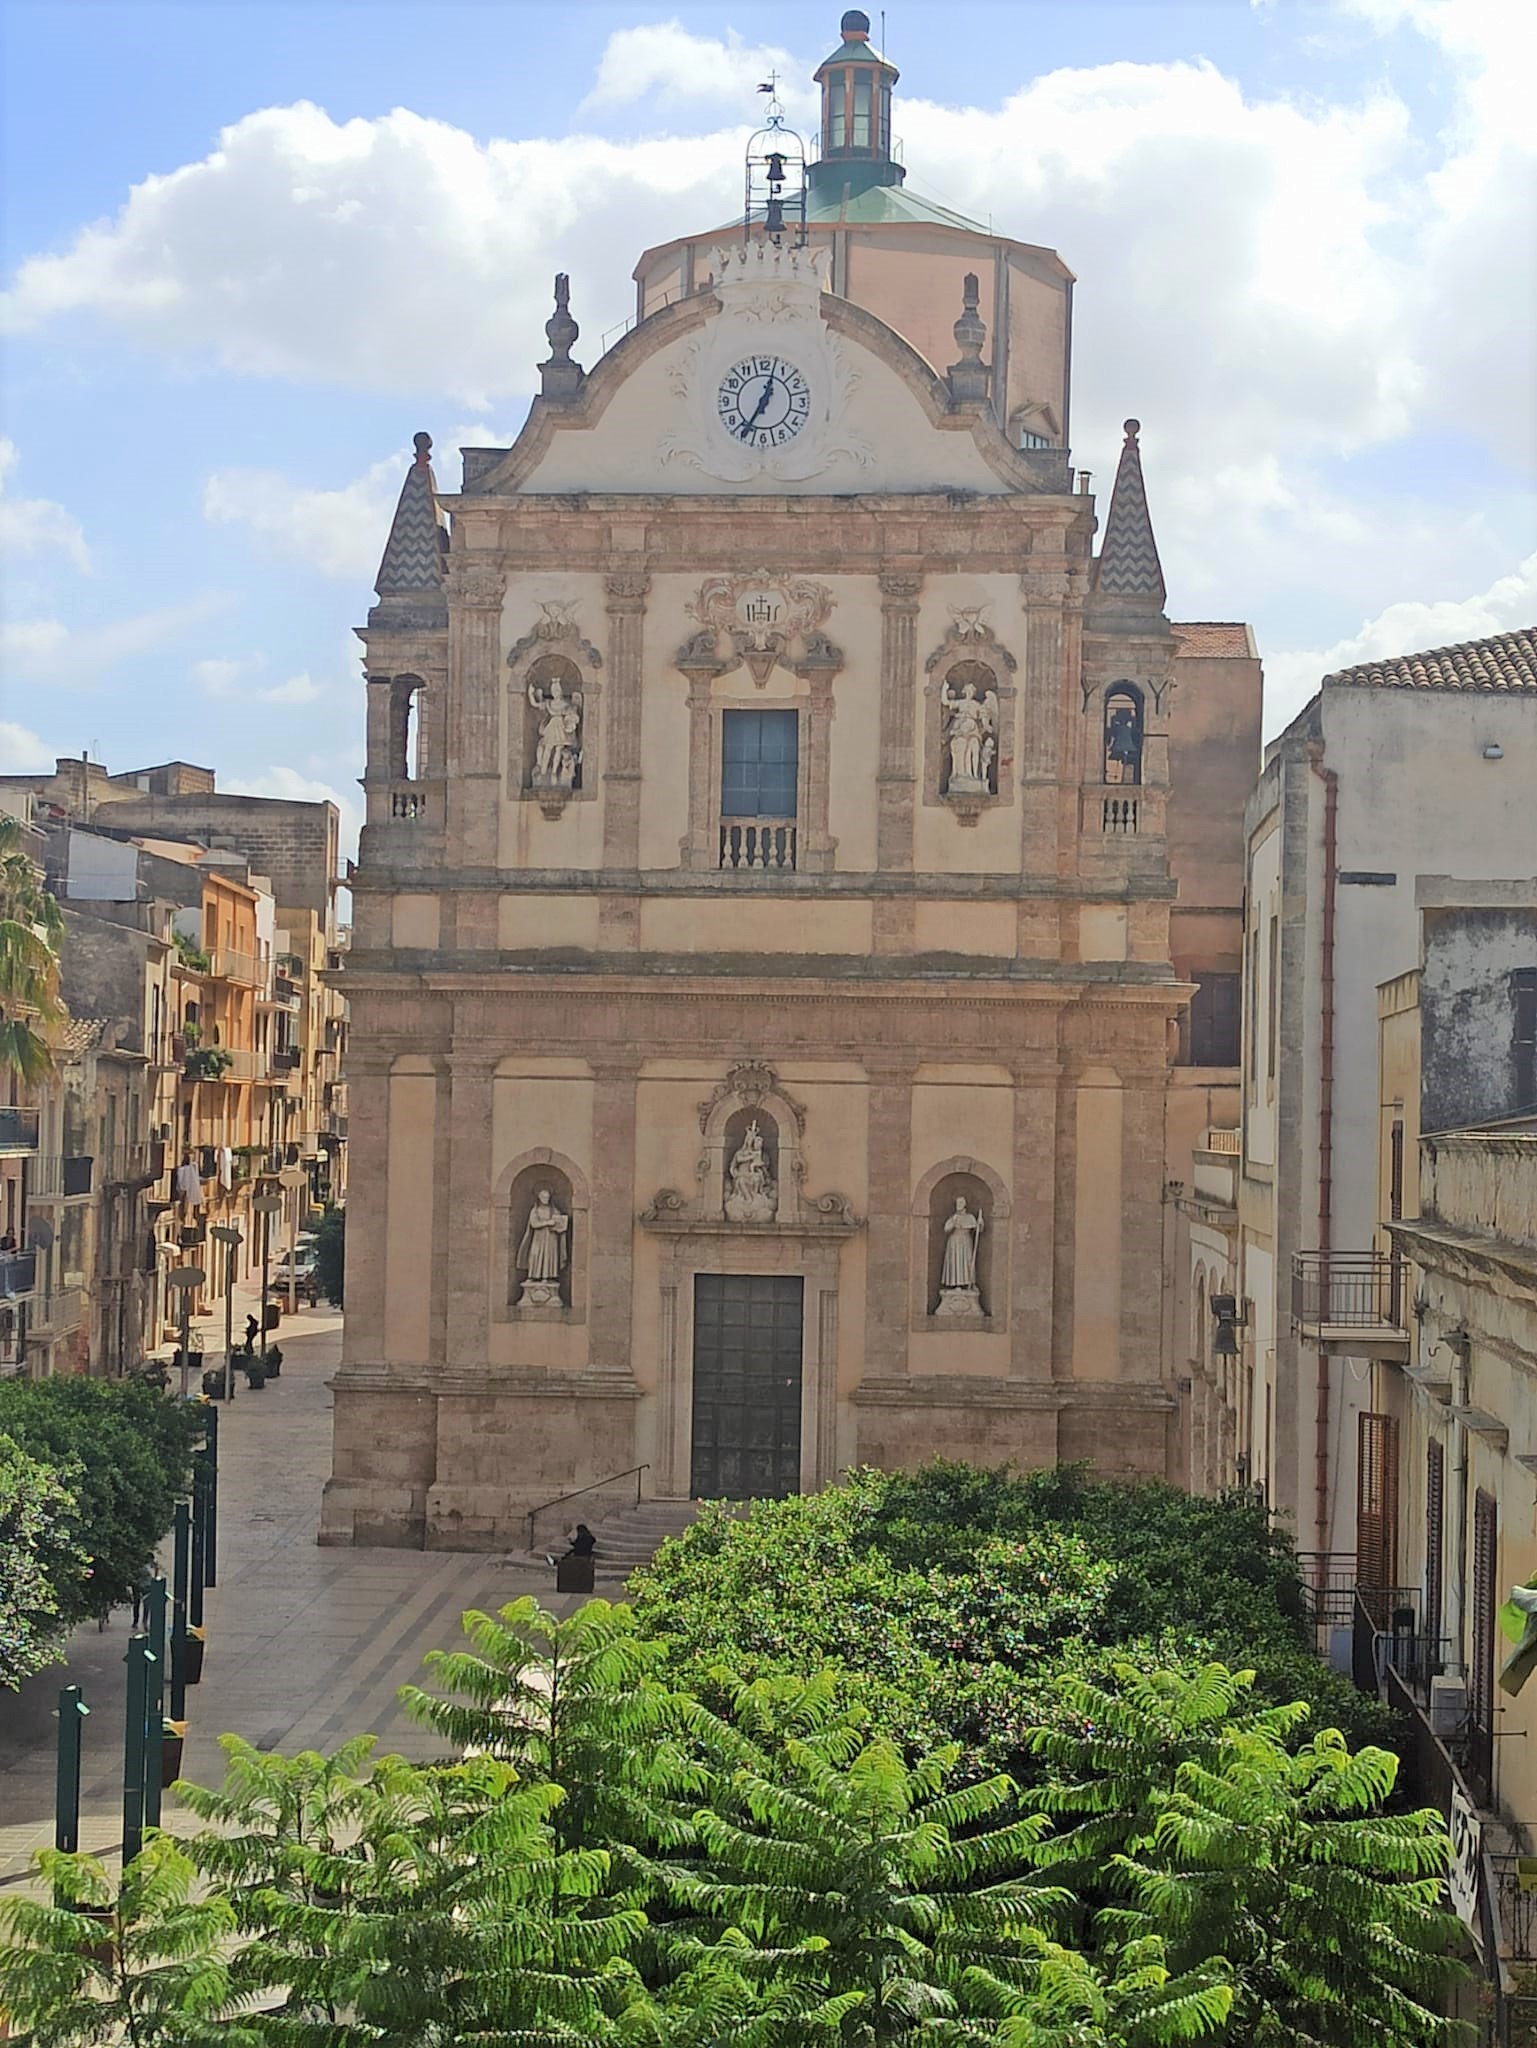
column 771, row 947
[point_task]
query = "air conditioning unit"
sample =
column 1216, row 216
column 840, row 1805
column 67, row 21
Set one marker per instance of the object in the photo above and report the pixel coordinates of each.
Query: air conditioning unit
column 1448, row 1705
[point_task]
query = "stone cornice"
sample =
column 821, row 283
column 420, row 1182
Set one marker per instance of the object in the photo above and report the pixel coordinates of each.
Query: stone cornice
column 377, row 879
column 1105, row 1396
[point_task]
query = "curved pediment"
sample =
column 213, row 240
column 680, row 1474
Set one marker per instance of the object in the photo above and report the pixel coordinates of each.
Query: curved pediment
column 765, row 383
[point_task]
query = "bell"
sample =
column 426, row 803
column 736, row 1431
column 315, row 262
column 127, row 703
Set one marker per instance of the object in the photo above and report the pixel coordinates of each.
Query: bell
column 776, row 168
column 1224, row 1343
column 774, row 217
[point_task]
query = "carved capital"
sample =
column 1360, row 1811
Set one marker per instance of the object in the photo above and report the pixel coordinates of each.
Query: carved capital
column 1044, row 584
column 477, row 586
column 626, row 590
column 901, row 588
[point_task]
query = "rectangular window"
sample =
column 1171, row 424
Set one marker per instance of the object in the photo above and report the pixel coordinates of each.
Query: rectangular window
column 1525, row 992
column 1254, row 1090
column 862, row 110
column 1376, row 1503
column 1435, row 1539
column 1273, row 1022
column 759, row 760
column 1215, row 1022
column 1482, row 1632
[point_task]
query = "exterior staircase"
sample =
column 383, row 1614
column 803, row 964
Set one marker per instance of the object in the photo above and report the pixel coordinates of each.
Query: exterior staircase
column 634, row 1535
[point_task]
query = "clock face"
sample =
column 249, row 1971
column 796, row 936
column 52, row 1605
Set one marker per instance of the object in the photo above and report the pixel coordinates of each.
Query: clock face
column 764, row 401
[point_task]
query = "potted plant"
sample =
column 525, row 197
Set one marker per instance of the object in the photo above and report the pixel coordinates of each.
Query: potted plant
column 274, row 1363
column 195, row 1642
column 255, row 1373
column 173, row 1738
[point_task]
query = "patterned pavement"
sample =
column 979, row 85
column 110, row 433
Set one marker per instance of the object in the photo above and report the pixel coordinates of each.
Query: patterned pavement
column 305, row 1646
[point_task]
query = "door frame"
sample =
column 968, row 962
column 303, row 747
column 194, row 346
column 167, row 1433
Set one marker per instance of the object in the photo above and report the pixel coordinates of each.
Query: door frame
column 757, row 1252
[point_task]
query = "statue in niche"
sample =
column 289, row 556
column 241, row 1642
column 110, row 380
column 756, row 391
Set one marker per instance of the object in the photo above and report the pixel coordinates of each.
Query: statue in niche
column 557, row 746
column 958, row 1291
column 1123, row 739
column 971, row 735
column 751, row 1193
column 543, row 1253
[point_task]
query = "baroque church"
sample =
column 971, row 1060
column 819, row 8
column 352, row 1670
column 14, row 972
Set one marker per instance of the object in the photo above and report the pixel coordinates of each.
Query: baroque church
column 798, row 920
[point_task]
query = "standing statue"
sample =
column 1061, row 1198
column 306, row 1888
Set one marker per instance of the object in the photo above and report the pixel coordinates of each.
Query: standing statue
column 557, row 749
column 751, row 1194
column 1123, row 744
column 971, row 734
column 958, row 1291
column 543, row 1253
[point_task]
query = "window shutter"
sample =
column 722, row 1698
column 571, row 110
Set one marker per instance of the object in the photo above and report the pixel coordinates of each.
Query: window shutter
column 1435, row 1539
column 1377, row 1501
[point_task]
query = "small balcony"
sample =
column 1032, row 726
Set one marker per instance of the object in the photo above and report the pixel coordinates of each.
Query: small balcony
column 136, row 1165
column 1123, row 810
column 762, row 845
column 18, row 1275
column 61, row 1177
column 56, row 1314
column 286, row 1059
column 242, row 967
column 18, row 1132
column 409, row 803
column 1351, row 1304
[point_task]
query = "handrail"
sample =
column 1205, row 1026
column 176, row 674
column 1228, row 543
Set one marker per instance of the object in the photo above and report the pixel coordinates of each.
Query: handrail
column 629, row 1472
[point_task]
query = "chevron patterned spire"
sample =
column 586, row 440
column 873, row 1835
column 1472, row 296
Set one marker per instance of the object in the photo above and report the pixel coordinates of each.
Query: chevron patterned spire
column 1128, row 563
column 413, row 554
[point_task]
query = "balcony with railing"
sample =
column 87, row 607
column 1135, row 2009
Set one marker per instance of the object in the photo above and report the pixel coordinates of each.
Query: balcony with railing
column 57, row 1313
column 61, row 1177
column 18, row 1132
column 18, row 1275
column 1123, row 810
column 286, row 1059
column 762, row 845
column 134, row 1165
column 1352, row 1303
column 232, row 966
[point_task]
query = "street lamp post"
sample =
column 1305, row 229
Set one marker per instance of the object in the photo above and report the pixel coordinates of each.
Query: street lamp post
column 231, row 1239
column 185, row 1279
column 266, row 1207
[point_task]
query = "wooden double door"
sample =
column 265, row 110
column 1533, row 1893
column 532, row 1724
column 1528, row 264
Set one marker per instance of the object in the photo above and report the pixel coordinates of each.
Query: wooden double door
column 748, row 1331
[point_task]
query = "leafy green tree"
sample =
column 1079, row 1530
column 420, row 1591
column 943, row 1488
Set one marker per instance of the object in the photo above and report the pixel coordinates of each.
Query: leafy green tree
column 573, row 1703
column 1131, row 2000
column 331, row 1255
column 124, row 1452
column 31, row 931
column 42, row 1561
column 145, row 1964
column 1205, row 1829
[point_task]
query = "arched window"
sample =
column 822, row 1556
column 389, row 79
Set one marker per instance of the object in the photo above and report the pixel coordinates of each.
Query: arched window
column 1123, row 733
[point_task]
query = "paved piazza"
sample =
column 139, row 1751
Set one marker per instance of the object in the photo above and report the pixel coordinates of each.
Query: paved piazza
column 305, row 1646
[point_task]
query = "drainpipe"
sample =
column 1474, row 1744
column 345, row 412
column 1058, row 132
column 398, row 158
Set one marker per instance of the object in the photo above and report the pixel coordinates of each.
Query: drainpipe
column 1330, row 781
column 1460, row 1346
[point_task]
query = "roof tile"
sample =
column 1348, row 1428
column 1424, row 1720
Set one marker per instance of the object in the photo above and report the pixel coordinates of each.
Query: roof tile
column 1507, row 661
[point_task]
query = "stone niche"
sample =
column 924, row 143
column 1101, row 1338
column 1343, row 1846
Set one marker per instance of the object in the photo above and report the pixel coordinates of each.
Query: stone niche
column 934, row 1203
column 517, row 1192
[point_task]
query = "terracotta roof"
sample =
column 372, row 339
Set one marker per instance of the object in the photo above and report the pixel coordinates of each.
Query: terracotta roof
column 81, row 1035
column 1128, row 564
column 1213, row 637
column 1508, row 661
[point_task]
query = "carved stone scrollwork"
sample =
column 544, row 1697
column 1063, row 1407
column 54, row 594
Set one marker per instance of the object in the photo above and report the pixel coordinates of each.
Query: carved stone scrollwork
column 626, row 589
column 477, row 585
column 760, row 622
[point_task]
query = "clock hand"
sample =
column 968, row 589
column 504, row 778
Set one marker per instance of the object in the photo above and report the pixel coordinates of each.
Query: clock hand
column 768, row 392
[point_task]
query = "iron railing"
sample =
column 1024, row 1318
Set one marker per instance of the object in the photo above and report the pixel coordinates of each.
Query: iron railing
column 56, row 1314
column 628, row 1480
column 1347, row 1290
column 59, row 1176
column 18, row 1275
column 1328, row 1587
column 18, row 1130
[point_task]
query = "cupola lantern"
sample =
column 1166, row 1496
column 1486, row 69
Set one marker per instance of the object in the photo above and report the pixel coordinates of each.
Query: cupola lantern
column 856, row 82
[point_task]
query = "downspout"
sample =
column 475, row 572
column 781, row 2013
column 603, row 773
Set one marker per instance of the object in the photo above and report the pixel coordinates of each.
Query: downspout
column 1330, row 781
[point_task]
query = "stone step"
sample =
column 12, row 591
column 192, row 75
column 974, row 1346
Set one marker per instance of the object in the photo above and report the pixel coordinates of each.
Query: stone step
column 634, row 1535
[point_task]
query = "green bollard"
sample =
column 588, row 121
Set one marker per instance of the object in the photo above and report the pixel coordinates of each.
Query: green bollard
column 178, row 1659
column 66, row 1802
column 196, row 1581
column 211, row 1511
column 140, row 1662
column 154, row 1710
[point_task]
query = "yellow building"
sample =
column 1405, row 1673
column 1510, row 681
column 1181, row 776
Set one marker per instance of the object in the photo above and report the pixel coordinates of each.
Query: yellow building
column 789, row 862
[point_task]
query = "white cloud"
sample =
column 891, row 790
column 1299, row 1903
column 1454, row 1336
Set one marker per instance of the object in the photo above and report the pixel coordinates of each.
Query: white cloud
column 1409, row 627
column 22, row 752
column 235, row 678
column 50, row 651
column 340, row 532
column 662, row 64
column 31, row 525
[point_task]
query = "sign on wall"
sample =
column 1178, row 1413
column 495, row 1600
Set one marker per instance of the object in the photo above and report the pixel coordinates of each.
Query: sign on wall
column 1462, row 1868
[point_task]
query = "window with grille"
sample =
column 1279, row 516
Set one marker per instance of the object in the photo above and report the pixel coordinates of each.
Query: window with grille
column 759, row 759
column 1216, row 1022
column 1376, row 1501
column 1486, row 1558
column 1525, row 991
column 1435, row 1539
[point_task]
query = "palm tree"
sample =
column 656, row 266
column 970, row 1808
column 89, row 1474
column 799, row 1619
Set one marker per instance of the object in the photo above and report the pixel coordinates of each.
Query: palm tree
column 31, row 930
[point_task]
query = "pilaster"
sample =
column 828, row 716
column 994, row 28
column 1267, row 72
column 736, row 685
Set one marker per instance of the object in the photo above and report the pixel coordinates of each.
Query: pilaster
column 612, row 1271
column 1034, row 1220
column 896, row 783
column 468, row 1300
column 888, row 1277
column 368, row 1137
column 473, row 791
column 625, row 602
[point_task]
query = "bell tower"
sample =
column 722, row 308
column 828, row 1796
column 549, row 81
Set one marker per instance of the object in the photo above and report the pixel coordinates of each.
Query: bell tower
column 856, row 84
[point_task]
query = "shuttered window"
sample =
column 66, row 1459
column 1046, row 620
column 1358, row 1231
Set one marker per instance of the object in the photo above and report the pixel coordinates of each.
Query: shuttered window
column 1435, row 1540
column 1486, row 1559
column 1377, row 1501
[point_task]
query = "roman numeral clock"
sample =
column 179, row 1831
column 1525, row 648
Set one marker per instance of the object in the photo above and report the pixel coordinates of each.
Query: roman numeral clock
column 764, row 401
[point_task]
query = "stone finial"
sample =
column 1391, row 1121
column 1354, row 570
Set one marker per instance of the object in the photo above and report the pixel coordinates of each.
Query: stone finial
column 422, row 443
column 560, row 377
column 969, row 378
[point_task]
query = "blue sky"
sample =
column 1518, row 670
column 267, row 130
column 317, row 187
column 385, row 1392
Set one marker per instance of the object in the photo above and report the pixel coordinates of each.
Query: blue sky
column 271, row 242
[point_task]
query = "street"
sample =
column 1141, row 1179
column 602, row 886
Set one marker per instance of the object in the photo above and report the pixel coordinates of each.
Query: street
column 305, row 1646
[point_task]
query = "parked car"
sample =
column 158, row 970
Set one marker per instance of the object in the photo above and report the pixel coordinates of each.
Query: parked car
column 300, row 1267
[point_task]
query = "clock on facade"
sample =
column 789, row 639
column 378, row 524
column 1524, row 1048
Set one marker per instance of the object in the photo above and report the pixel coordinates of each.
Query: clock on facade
column 764, row 401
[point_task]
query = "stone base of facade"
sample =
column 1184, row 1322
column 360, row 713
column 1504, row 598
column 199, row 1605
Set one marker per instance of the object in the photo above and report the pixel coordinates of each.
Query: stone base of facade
column 456, row 1462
